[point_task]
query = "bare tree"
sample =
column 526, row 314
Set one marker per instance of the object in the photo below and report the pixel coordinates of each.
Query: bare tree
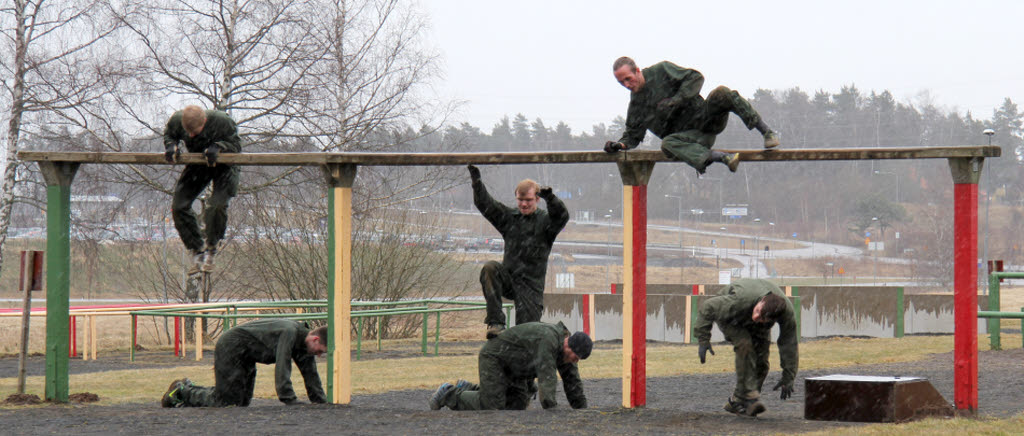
column 53, row 65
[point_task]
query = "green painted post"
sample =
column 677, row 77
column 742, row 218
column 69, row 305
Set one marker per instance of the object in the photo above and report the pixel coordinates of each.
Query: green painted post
column 359, row 339
column 58, row 176
column 900, row 313
column 993, row 305
column 424, row 343
column 131, row 353
column 437, row 334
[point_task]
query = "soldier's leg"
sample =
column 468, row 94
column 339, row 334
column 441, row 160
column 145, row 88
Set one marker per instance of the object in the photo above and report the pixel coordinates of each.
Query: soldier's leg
column 225, row 186
column 517, row 396
column 743, row 346
column 228, row 391
column 493, row 384
column 191, row 182
column 529, row 305
column 762, row 344
column 694, row 148
column 496, row 283
column 721, row 101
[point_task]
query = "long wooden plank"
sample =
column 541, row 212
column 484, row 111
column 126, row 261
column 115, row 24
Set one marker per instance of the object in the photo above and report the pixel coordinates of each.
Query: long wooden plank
column 524, row 157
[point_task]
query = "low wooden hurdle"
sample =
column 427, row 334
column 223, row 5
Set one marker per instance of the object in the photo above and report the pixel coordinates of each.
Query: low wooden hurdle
column 635, row 169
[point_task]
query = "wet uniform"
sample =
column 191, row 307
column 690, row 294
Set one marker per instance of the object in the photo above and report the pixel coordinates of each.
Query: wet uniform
column 750, row 340
column 238, row 350
column 219, row 132
column 516, row 356
column 687, row 131
column 528, row 240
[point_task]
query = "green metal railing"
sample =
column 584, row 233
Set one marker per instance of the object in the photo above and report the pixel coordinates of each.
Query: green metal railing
column 993, row 314
column 381, row 310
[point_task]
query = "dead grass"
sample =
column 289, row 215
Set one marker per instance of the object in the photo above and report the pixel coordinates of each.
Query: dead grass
column 934, row 427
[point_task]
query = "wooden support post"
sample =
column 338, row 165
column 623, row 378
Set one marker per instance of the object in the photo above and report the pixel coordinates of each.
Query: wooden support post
column 966, row 173
column 340, row 178
column 197, row 327
column 635, row 176
column 58, row 176
column 93, row 341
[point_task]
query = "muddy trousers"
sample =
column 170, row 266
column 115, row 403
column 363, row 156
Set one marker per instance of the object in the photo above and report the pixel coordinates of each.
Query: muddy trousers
column 496, row 391
column 751, row 348
column 234, row 387
column 693, row 146
column 497, row 283
column 190, row 184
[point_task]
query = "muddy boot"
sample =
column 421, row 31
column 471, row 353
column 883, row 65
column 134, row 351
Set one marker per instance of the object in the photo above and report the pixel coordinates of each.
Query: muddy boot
column 494, row 330
column 771, row 140
column 207, row 265
column 172, row 398
column 748, row 407
column 198, row 258
column 440, row 396
column 732, row 160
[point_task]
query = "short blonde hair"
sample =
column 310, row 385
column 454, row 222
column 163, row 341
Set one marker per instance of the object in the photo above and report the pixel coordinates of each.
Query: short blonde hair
column 526, row 185
column 193, row 118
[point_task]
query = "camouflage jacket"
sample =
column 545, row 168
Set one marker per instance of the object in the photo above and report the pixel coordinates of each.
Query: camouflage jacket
column 664, row 80
column 534, row 350
column 219, row 129
column 277, row 341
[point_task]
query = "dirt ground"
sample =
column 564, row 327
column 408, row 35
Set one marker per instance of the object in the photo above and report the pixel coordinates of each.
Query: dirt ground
column 675, row 405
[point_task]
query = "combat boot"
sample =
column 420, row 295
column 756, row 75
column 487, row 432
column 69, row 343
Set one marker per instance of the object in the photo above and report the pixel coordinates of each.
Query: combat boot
column 198, row 258
column 172, row 398
column 771, row 140
column 207, row 265
column 732, row 160
column 440, row 396
column 748, row 407
column 494, row 330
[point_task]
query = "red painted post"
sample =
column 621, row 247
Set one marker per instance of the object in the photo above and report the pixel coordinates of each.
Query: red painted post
column 177, row 336
column 639, row 272
column 586, row 313
column 696, row 289
column 613, row 288
column 965, row 286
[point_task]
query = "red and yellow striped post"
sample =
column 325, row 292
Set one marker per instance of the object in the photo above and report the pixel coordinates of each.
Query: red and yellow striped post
column 635, row 176
column 966, row 173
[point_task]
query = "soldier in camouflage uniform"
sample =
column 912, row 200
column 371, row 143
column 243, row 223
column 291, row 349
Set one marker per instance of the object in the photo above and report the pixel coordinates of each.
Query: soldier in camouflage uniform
column 277, row 341
column 745, row 313
column 514, row 358
column 666, row 100
column 529, row 234
column 209, row 132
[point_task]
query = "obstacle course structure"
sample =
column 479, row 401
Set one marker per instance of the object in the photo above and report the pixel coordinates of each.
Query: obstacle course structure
column 635, row 168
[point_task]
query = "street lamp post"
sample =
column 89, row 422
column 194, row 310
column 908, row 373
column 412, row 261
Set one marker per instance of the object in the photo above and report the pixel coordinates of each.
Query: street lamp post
column 875, row 254
column 988, row 194
column 757, row 251
column 679, row 228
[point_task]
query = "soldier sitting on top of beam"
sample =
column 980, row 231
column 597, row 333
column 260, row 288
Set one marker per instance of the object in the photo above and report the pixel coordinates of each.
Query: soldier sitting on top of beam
column 746, row 313
column 208, row 132
column 529, row 234
column 665, row 99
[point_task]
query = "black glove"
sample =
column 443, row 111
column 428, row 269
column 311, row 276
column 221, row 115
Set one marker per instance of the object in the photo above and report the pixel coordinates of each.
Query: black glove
column 667, row 104
column 211, row 154
column 702, row 351
column 474, row 173
column 545, row 192
column 787, row 389
column 613, row 147
column 171, row 155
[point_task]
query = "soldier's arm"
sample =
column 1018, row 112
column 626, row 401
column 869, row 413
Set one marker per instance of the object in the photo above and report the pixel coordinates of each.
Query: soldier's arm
column 635, row 127
column 573, row 385
column 314, row 389
column 558, row 215
column 546, row 375
column 707, row 315
column 492, row 210
column 789, row 353
column 283, row 366
column 227, row 135
column 173, row 133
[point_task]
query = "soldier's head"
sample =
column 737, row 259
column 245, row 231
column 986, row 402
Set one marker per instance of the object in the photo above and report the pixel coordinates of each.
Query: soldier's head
column 769, row 308
column 316, row 341
column 576, row 347
column 193, row 118
column 526, row 196
column 628, row 75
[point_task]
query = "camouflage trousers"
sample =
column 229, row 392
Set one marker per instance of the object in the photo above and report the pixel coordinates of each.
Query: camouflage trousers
column 752, row 352
column 190, row 184
column 234, row 386
column 496, row 391
column 693, row 146
column 497, row 283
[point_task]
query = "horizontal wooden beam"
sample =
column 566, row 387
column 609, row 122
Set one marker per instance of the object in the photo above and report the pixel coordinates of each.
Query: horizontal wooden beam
column 507, row 158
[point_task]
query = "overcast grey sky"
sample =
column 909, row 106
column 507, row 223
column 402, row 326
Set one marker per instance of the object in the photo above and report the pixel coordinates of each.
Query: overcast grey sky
column 552, row 59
